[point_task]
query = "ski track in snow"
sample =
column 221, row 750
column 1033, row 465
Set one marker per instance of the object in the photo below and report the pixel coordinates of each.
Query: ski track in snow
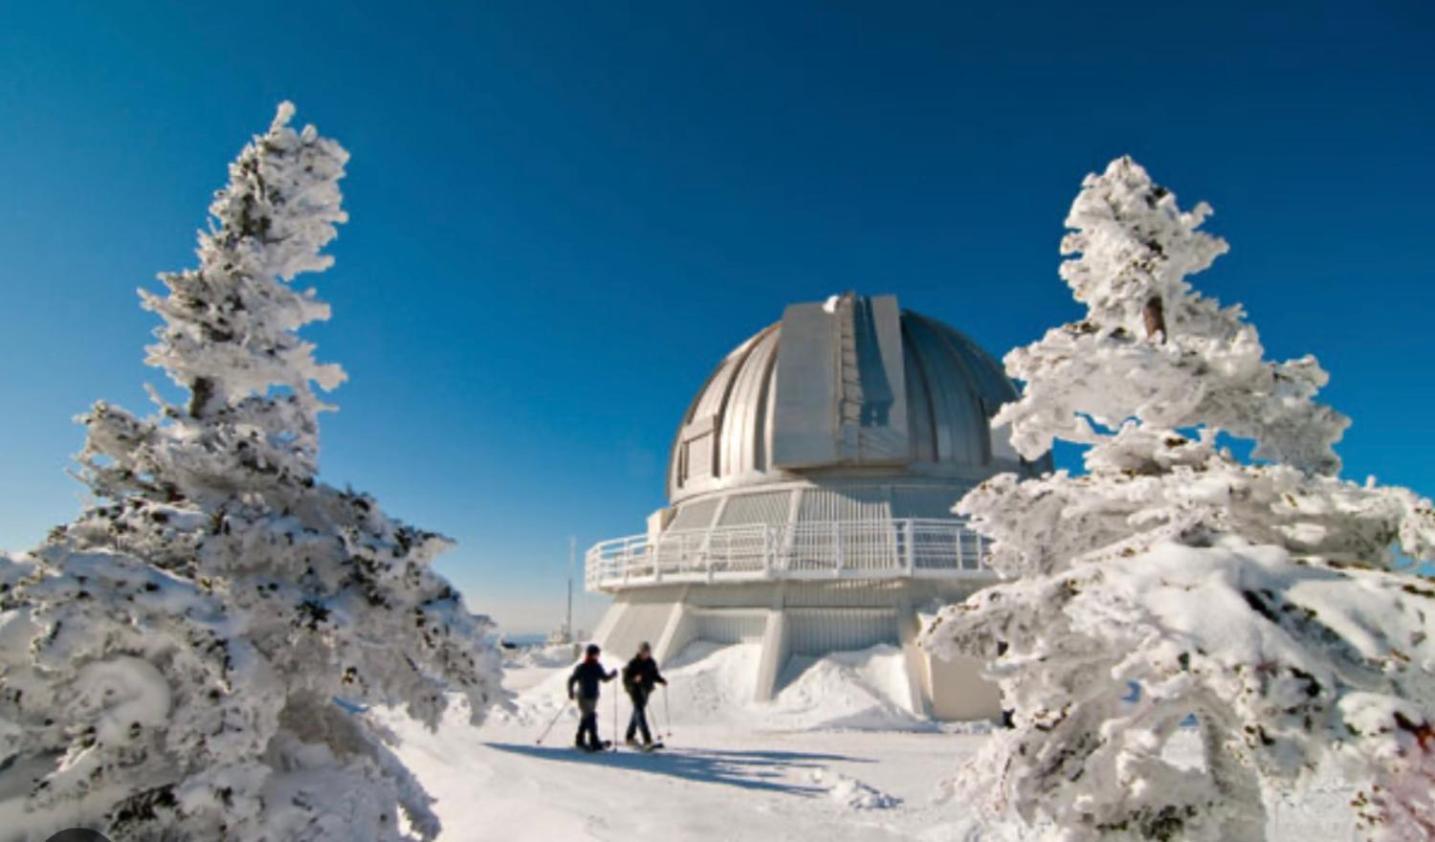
column 733, row 770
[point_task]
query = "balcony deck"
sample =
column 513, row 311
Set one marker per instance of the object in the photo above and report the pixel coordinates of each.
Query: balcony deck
column 820, row 551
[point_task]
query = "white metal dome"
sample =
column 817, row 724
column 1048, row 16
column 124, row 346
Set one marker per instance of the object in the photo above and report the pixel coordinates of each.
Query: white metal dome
column 852, row 385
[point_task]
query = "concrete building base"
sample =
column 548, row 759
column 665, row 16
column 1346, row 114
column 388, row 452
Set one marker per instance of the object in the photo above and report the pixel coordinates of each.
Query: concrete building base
column 805, row 618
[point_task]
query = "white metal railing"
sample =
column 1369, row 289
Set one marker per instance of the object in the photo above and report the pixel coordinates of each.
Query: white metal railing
column 877, row 549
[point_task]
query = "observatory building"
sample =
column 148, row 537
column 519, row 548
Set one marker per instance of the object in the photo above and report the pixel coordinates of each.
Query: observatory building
column 810, row 492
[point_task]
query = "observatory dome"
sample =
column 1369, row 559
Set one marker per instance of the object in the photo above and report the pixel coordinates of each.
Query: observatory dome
column 811, row 488
column 851, row 387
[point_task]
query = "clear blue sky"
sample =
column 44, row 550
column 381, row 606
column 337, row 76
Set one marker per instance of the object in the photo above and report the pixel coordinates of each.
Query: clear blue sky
column 564, row 215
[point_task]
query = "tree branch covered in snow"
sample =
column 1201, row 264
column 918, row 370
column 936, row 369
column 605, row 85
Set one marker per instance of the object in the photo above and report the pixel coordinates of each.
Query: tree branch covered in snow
column 171, row 660
column 1266, row 599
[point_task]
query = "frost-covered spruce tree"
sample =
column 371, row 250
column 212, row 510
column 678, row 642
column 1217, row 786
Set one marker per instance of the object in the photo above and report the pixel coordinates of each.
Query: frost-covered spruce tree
column 1265, row 598
column 172, row 663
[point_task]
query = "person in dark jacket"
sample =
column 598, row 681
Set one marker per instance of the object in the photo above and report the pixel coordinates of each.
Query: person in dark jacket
column 640, row 678
column 588, row 677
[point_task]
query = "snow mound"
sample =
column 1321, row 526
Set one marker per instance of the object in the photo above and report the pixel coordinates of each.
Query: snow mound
column 852, row 793
column 859, row 690
column 865, row 689
column 710, row 682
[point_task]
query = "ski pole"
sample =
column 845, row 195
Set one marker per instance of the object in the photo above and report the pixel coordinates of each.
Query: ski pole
column 667, row 711
column 551, row 723
column 615, row 720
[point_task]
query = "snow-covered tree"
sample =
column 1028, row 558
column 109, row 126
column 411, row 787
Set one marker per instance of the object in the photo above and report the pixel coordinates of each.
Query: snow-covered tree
column 1266, row 598
column 192, row 657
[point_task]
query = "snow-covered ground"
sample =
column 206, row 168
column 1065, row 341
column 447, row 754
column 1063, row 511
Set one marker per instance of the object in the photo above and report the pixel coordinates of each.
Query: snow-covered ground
column 835, row 757
column 712, row 783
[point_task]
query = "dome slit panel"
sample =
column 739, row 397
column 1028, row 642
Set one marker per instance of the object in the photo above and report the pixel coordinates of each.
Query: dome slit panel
column 919, row 418
column 872, row 400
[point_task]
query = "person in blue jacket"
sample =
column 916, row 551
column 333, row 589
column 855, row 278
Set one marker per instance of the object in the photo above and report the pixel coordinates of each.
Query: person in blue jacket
column 588, row 677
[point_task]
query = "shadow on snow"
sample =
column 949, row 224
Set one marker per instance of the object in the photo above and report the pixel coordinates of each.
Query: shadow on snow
column 759, row 770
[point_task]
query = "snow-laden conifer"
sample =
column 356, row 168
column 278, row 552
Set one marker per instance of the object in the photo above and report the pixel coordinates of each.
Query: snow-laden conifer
column 1266, row 598
column 191, row 658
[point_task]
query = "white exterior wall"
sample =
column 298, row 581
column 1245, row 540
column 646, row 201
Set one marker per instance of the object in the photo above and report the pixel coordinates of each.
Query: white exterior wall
column 805, row 619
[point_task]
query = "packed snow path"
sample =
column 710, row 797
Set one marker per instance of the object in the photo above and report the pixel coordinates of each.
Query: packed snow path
column 729, row 773
column 715, row 783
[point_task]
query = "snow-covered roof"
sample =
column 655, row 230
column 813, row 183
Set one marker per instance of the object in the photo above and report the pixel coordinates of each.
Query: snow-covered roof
column 853, row 385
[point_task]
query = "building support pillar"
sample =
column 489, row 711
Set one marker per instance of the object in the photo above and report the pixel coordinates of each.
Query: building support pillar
column 914, row 659
column 677, row 632
column 775, row 648
column 611, row 619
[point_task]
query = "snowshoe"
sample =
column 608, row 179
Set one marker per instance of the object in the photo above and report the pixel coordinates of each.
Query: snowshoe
column 651, row 747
